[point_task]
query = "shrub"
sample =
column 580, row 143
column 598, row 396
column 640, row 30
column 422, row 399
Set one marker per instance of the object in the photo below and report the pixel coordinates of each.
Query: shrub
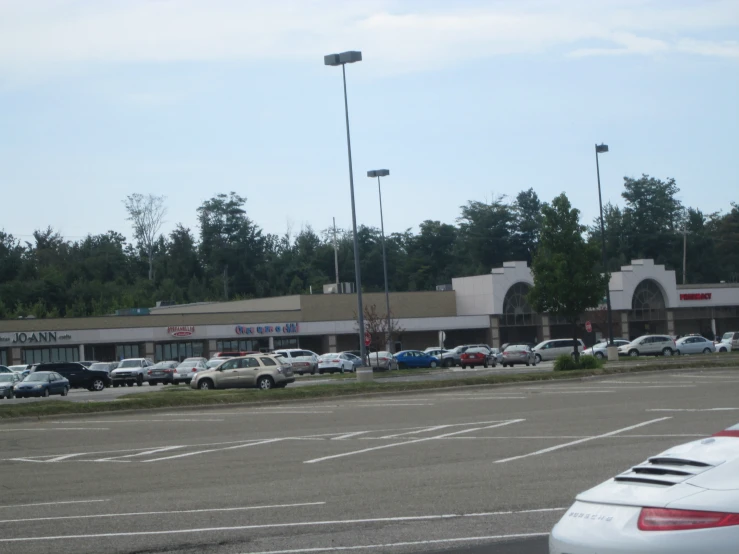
column 566, row 362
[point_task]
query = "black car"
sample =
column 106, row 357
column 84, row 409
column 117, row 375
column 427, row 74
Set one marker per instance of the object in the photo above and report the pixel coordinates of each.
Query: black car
column 78, row 375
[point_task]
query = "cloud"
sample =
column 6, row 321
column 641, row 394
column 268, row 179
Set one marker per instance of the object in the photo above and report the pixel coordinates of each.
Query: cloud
column 397, row 34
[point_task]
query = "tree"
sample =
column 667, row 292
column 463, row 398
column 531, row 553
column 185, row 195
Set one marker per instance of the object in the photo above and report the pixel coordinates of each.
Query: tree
column 527, row 224
column 146, row 213
column 382, row 335
column 566, row 280
column 485, row 230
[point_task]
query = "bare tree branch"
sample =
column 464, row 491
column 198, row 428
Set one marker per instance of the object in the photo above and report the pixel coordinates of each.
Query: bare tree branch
column 146, row 213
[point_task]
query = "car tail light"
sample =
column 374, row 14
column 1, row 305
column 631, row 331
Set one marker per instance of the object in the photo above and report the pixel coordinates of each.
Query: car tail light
column 194, row 370
column 663, row 519
column 335, row 361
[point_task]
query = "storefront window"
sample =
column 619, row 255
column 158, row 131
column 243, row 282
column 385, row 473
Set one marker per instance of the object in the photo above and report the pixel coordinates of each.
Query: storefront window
column 125, row 351
column 178, row 350
column 3, row 357
column 291, row 342
column 238, row 345
column 44, row 355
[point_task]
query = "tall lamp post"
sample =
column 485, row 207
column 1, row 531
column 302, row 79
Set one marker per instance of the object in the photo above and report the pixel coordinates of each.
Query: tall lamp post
column 372, row 174
column 612, row 351
column 334, row 60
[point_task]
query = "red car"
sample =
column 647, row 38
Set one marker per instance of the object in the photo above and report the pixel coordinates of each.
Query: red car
column 473, row 357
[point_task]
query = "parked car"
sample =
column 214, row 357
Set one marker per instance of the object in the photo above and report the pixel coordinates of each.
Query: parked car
column 302, row 361
column 600, row 349
column 356, row 360
column 728, row 342
column 77, row 375
column 104, row 366
column 453, row 357
column 184, row 372
column 161, row 372
column 415, row 358
column 334, row 362
column 131, row 371
column 682, row 501
column 473, row 357
column 258, row 370
column 383, row 360
column 694, row 344
column 7, row 382
column 518, row 354
column 552, row 349
column 649, row 345
column 41, row 383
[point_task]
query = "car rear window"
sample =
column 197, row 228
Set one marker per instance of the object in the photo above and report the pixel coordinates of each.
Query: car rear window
column 268, row 361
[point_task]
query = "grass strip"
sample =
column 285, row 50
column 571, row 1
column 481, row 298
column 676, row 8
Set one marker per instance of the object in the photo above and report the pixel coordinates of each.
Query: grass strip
column 186, row 397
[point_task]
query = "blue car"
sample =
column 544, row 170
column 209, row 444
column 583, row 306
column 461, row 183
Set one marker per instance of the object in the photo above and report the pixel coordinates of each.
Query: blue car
column 42, row 383
column 415, row 358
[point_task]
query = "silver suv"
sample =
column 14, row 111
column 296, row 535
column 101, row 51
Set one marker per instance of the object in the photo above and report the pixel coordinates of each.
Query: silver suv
column 257, row 370
column 649, row 345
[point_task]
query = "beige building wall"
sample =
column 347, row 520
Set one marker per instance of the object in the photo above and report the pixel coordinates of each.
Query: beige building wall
column 340, row 307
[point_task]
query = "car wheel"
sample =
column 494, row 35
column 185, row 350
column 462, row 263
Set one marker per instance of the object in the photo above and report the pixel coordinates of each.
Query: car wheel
column 432, row 365
column 464, row 366
column 599, row 355
column 723, row 350
column 633, row 353
column 265, row 383
column 485, row 365
column 97, row 385
column 313, row 372
column 706, row 350
column 65, row 391
column 46, row 393
column 130, row 383
column 205, row 384
column 528, row 364
column 320, row 372
column 538, row 359
column 667, row 352
column 139, row 380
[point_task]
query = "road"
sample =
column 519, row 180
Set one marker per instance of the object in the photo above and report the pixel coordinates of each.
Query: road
column 460, row 471
column 111, row 393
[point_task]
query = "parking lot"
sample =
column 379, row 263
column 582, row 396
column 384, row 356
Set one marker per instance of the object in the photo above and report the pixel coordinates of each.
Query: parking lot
column 441, row 471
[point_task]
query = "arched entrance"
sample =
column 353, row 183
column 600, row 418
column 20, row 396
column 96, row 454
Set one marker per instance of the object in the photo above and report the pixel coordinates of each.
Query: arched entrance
column 519, row 322
column 648, row 314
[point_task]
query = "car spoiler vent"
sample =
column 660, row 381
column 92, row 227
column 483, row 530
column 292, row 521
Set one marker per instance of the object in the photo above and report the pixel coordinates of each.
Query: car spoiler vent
column 663, row 471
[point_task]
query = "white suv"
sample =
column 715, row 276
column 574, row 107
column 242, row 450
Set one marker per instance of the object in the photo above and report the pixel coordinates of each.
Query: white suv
column 728, row 342
column 130, row 371
column 649, row 345
column 302, row 361
column 551, row 349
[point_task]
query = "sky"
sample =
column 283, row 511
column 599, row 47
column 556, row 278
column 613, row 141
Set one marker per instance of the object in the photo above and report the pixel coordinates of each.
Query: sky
column 464, row 100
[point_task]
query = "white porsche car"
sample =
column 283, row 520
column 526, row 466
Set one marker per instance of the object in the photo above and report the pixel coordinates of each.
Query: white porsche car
column 683, row 501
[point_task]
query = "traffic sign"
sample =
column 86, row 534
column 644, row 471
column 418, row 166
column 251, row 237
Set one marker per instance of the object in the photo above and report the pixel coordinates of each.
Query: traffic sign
column 588, row 327
column 367, row 338
column 442, row 338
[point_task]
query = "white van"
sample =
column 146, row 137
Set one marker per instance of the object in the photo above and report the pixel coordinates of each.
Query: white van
column 551, row 349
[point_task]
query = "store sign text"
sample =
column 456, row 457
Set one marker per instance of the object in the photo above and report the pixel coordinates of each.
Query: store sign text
column 696, row 296
column 40, row 337
column 285, row 329
column 181, row 330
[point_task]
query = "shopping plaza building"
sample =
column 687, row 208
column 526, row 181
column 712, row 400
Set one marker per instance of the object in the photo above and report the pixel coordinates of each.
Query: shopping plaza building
column 490, row 308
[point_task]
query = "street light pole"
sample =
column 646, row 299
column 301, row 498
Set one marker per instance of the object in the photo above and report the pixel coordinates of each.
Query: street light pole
column 599, row 149
column 384, row 173
column 334, row 60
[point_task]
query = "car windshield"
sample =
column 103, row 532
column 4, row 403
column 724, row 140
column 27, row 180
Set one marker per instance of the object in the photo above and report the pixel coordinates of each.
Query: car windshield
column 6, row 377
column 37, row 377
column 129, row 363
column 727, row 336
column 188, row 364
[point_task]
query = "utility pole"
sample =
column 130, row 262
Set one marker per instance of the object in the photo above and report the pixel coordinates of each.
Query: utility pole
column 336, row 257
column 685, row 252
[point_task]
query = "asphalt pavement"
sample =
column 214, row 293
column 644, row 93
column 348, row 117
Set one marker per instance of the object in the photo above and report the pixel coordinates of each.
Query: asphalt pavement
column 489, row 469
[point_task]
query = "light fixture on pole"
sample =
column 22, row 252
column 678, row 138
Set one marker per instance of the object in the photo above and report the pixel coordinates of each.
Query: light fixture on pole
column 612, row 351
column 334, row 60
column 372, row 174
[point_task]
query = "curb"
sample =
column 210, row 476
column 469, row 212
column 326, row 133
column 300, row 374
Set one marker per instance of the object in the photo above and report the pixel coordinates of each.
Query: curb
column 288, row 401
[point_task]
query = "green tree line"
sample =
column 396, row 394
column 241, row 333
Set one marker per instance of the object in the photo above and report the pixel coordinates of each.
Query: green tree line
column 230, row 257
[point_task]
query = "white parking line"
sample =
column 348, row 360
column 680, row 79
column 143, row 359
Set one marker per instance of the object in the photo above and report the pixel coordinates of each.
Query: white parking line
column 138, row 421
column 273, row 526
column 416, row 432
column 135, row 514
column 394, row 404
column 145, row 453
column 58, row 429
column 55, row 503
column 692, row 409
column 580, row 441
column 399, row 544
column 348, row 435
column 316, row 460
column 186, row 454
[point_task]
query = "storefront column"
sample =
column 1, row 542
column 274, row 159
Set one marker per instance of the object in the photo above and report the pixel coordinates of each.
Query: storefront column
column 546, row 330
column 149, row 350
column 494, row 332
column 271, row 344
column 625, row 325
column 82, row 351
column 328, row 343
column 671, row 323
column 15, row 356
column 211, row 349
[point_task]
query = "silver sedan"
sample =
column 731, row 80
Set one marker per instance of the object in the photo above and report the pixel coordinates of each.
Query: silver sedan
column 695, row 345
